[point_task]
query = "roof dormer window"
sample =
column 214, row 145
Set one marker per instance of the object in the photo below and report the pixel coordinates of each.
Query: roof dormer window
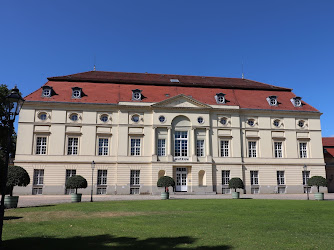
column 76, row 92
column 272, row 100
column 47, row 91
column 136, row 95
column 220, row 98
column 297, row 101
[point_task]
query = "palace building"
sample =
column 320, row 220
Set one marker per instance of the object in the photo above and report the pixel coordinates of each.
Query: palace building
column 137, row 127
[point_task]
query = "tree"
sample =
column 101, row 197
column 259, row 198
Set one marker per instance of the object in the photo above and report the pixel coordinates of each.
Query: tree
column 4, row 130
column 75, row 182
column 17, row 176
column 166, row 181
column 235, row 183
column 317, row 181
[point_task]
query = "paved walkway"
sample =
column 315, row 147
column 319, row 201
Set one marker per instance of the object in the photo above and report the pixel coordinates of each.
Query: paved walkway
column 42, row 200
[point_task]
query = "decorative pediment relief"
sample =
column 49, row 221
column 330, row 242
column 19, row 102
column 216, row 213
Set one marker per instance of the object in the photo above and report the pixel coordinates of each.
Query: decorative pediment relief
column 181, row 101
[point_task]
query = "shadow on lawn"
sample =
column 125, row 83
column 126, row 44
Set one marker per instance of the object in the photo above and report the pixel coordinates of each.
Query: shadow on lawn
column 105, row 242
column 12, row 218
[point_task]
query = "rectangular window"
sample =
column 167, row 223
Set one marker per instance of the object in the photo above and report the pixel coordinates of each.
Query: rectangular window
column 226, row 191
column 254, row 177
column 41, row 145
column 134, row 181
column 252, row 149
column 224, row 148
column 103, row 146
column 161, row 147
column 306, row 176
column 135, row 146
column 70, row 173
column 278, row 149
column 225, row 177
column 101, row 190
column 72, row 146
column 200, row 148
column 102, row 177
column 255, row 190
column 303, row 150
column 280, row 178
column 38, row 177
column 181, row 143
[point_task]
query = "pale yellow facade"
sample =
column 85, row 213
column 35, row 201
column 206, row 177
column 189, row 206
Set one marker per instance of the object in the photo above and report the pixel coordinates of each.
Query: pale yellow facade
column 200, row 170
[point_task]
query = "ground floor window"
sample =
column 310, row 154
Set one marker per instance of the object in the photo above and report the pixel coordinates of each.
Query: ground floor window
column 38, row 181
column 226, row 191
column 254, row 177
column 70, row 173
column 225, row 177
column 101, row 190
column 255, row 190
column 134, row 181
column 101, row 181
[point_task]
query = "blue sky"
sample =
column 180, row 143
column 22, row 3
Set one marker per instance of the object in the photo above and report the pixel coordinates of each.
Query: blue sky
column 284, row 43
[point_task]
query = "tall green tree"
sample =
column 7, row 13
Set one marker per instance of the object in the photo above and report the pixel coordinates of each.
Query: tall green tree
column 4, row 129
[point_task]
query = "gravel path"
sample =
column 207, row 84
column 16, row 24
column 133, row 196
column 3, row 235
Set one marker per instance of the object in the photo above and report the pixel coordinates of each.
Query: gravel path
column 42, row 200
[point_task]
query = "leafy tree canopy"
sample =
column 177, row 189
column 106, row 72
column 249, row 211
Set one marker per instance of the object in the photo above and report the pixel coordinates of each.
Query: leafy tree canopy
column 236, row 183
column 17, row 176
column 75, row 182
column 166, row 181
column 317, row 181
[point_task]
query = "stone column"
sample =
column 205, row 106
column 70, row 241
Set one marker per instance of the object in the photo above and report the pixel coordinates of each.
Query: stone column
column 154, row 141
column 193, row 141
column 169, row 141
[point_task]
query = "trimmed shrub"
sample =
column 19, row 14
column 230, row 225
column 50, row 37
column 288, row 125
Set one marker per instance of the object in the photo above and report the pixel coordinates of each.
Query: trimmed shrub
column 17, row 176
column 235, row 183
column 317, row 181
column 75, row 182
column 166, row 181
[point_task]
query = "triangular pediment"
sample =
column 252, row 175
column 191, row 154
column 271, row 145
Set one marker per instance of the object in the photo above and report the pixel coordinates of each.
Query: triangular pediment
column 181, row 101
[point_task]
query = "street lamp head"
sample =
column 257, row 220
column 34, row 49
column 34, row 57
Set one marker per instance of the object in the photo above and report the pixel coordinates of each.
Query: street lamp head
column 93, row 164
column 13, row 104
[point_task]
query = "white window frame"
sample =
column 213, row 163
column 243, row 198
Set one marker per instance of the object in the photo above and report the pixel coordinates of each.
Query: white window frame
column 46, row 92
column 280, row 177
column 161, row 147
column 38, row 177
column 226, row 177
column 69, row 173
column 72, row 145
column 103, row 147
column 102, row 175
column 252, row 149
column 303, row 151
column 134, row 181
column 200, row 148
column 76, row 93
column 135, row 146
column 278, row 149
column 41, row 146
column 306, row 177
column 224, row 148
column 183, row 141
column 254, row 176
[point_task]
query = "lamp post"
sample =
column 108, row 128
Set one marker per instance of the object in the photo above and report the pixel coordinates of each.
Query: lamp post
column 12, row 106
column 91, row 191
column 305, row 172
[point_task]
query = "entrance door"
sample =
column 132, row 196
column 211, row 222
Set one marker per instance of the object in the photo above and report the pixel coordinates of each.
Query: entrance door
column 181, row 180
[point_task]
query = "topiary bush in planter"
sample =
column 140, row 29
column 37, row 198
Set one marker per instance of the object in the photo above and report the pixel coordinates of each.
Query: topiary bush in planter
column 318, row 181
column 235, row 183
column 165, row 181
column 17, row 176
column 76, row 182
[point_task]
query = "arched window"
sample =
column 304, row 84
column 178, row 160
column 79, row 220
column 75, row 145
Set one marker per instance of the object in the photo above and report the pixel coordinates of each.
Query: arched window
column 201, row 178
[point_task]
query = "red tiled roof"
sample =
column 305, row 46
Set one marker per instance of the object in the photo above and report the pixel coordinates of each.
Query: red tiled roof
column 238, row 92
column 330, row 151
column 165, row 79
column 328, row 141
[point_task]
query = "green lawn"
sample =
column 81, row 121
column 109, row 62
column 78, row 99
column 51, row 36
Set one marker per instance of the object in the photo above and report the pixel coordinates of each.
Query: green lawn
column 177, row 224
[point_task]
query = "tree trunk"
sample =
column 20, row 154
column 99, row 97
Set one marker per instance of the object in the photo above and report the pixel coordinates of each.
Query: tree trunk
column 76, row 191
column 318, row 189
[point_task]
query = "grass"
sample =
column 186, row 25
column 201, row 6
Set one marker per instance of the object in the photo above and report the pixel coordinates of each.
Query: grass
column 173, row 224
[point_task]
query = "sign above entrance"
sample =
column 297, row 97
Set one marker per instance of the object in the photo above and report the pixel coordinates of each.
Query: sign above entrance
column 181, row 158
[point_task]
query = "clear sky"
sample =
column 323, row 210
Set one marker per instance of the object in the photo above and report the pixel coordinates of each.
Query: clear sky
column 284, row 43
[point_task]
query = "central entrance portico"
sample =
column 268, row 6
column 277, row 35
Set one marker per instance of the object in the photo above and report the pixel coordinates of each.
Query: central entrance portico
column 181, row 180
